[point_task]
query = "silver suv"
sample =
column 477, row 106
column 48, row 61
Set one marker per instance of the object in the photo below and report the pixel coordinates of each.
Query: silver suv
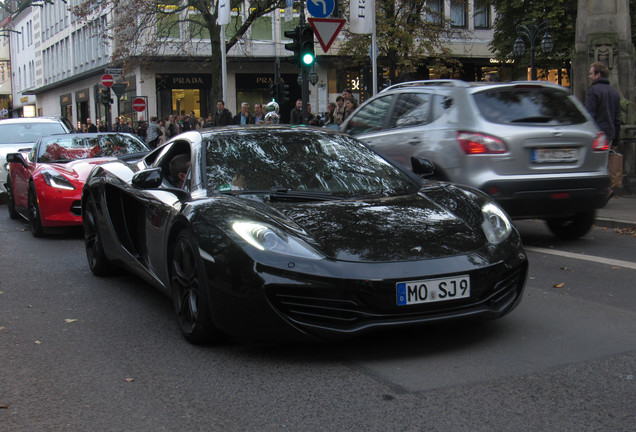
column 530, row 145
column 23, row 132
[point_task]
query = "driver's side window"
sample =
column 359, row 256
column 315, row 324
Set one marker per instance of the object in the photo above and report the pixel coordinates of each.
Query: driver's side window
column 174, row 162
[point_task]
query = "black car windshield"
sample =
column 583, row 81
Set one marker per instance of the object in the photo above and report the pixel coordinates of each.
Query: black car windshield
column 23, row 133
column 67, row 147
column 280, row 161
column 535, row 105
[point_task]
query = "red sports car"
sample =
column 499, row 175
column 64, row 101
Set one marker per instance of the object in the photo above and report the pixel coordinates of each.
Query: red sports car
column 45, row 184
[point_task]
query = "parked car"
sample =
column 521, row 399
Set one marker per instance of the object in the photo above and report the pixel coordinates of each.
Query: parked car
column 281, row 231
column 44, row 185
column 530, row 145
column 23, row 132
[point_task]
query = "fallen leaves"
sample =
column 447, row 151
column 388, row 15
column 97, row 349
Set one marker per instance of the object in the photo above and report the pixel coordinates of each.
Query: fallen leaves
column 129, row 379
column 71, row 320
column 560, row 285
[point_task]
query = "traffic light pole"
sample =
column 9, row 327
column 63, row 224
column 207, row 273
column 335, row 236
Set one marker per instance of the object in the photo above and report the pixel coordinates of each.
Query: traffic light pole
column 304, row 69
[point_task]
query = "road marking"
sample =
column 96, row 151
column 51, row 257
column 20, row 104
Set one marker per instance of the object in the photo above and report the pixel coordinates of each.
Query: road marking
column 600, row 260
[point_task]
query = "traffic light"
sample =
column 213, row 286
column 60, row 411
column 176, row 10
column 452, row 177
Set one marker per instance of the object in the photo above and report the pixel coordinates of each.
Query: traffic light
column 104, row 96
column 283, row 93
column 273, row 91
column 307, row 54
column 294, row 46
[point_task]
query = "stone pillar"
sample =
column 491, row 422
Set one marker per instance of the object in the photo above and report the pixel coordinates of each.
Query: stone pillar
column 603, row 33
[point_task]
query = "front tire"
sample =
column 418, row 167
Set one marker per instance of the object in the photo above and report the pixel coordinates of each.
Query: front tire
column 35, row 220
column 97, row 261
column 573, row 227
column 190, row 292
column 13, row 214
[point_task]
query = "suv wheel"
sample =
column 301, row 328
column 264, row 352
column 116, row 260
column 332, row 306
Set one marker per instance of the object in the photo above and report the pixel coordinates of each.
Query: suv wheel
column 573, row 227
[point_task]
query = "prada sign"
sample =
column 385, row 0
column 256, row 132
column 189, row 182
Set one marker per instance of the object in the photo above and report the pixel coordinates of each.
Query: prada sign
column 183, row 81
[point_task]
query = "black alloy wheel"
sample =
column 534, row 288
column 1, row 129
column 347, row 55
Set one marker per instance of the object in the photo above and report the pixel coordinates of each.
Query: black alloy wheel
column 189, row 291
column 13, row 214
column 97, row 261
column 35, row 222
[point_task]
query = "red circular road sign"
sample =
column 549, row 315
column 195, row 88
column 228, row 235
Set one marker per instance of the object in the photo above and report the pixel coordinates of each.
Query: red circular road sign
column 139, row 104
column 107, row 80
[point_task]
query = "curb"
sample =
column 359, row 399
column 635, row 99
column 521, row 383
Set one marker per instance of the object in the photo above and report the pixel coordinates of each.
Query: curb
column 614, row 223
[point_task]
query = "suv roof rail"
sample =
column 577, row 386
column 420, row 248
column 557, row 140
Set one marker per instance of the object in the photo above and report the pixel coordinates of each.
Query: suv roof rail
column 438, row 82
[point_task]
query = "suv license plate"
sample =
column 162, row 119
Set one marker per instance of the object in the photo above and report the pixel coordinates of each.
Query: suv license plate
column 543, row 155
column 432, row 290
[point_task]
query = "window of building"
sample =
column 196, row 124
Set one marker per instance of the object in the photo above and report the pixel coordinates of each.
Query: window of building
column 482, row 14
column 198, row 27
column 262, row 28
column 435, row 11
column 458, row 13
column 168, row 25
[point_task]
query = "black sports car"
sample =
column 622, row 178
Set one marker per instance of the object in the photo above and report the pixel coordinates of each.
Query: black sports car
column 272, row 231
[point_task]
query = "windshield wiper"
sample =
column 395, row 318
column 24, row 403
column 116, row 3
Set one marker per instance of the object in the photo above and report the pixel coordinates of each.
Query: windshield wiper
column 301, row 195
column 282, row 194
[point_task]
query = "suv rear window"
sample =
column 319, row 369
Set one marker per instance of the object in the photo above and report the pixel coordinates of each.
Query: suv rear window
column 17, row 133
column 528, row 105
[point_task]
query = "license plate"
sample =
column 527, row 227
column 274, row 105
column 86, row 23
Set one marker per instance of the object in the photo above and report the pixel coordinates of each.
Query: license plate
column 432, row 290
column 546, row 155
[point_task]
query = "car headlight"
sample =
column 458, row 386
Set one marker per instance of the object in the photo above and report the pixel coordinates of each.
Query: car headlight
column 266, row 238
column 496, row 225
column 57, row 180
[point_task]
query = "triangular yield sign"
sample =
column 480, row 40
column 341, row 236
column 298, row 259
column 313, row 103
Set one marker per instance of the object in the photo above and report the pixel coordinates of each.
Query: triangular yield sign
column 326, row 30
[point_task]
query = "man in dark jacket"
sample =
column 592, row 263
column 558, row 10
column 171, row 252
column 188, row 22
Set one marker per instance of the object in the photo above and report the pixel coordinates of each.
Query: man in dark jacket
column 603, row 102
column 223, row 116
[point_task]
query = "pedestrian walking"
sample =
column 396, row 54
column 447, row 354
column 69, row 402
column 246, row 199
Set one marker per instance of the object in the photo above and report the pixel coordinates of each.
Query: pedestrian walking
column 603, row 102
column 153, row 133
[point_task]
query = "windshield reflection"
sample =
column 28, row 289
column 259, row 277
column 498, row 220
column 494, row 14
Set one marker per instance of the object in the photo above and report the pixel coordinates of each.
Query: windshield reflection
column 266, row 160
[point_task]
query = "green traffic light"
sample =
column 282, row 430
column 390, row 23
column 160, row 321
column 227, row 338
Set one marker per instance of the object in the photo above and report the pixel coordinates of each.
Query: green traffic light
column 308, row 59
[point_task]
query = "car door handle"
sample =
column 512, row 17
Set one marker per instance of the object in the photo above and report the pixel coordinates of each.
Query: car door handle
column 414, row 141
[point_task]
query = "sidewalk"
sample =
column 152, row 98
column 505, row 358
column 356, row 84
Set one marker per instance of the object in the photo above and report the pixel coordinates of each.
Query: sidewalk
column 620, row 212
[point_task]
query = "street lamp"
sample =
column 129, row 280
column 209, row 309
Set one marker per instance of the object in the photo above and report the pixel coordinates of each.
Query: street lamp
column 532, row 33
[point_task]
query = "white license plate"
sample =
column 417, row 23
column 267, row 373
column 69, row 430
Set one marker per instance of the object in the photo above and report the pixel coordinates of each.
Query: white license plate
column 432, row 290
column 546, row 155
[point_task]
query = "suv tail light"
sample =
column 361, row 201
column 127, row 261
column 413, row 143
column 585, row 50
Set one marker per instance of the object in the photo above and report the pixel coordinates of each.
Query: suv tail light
column 476, row 143
column 600, row 142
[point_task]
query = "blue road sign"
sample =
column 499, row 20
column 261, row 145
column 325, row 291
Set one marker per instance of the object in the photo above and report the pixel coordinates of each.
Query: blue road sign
column 320, row 8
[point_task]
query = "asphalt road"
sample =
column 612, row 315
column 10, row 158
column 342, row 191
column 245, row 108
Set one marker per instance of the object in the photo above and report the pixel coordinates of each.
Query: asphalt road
column 80, row 353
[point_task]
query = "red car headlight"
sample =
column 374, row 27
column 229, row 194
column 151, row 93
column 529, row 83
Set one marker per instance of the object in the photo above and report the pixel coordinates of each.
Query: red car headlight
column 57, row 180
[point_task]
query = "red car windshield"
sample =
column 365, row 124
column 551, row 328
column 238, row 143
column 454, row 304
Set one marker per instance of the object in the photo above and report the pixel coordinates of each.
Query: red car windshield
column 65, row 148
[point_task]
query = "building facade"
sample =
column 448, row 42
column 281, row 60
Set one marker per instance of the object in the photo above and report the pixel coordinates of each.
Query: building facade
column 59, row 66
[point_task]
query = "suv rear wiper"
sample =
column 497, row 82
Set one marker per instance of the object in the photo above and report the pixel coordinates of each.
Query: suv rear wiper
column 534, row 119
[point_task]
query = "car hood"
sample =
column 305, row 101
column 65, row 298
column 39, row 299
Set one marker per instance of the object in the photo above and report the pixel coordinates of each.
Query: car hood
column 77, row 169
column 404, row 228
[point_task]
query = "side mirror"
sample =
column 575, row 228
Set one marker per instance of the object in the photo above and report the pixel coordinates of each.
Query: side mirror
column 16, row 158
column 422, row 167
column 148, row 179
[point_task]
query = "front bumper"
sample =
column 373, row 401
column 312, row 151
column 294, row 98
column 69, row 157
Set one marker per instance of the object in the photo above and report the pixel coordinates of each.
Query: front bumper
column 292, row 305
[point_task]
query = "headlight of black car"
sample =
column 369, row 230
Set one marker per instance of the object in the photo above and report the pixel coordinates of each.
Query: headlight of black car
column 267, row 238
column 57, row 180
column 496, row 225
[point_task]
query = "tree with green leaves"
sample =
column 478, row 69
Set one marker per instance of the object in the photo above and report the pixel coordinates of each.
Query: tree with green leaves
column 409, row 34
column 145, row 30
column 511, row 13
